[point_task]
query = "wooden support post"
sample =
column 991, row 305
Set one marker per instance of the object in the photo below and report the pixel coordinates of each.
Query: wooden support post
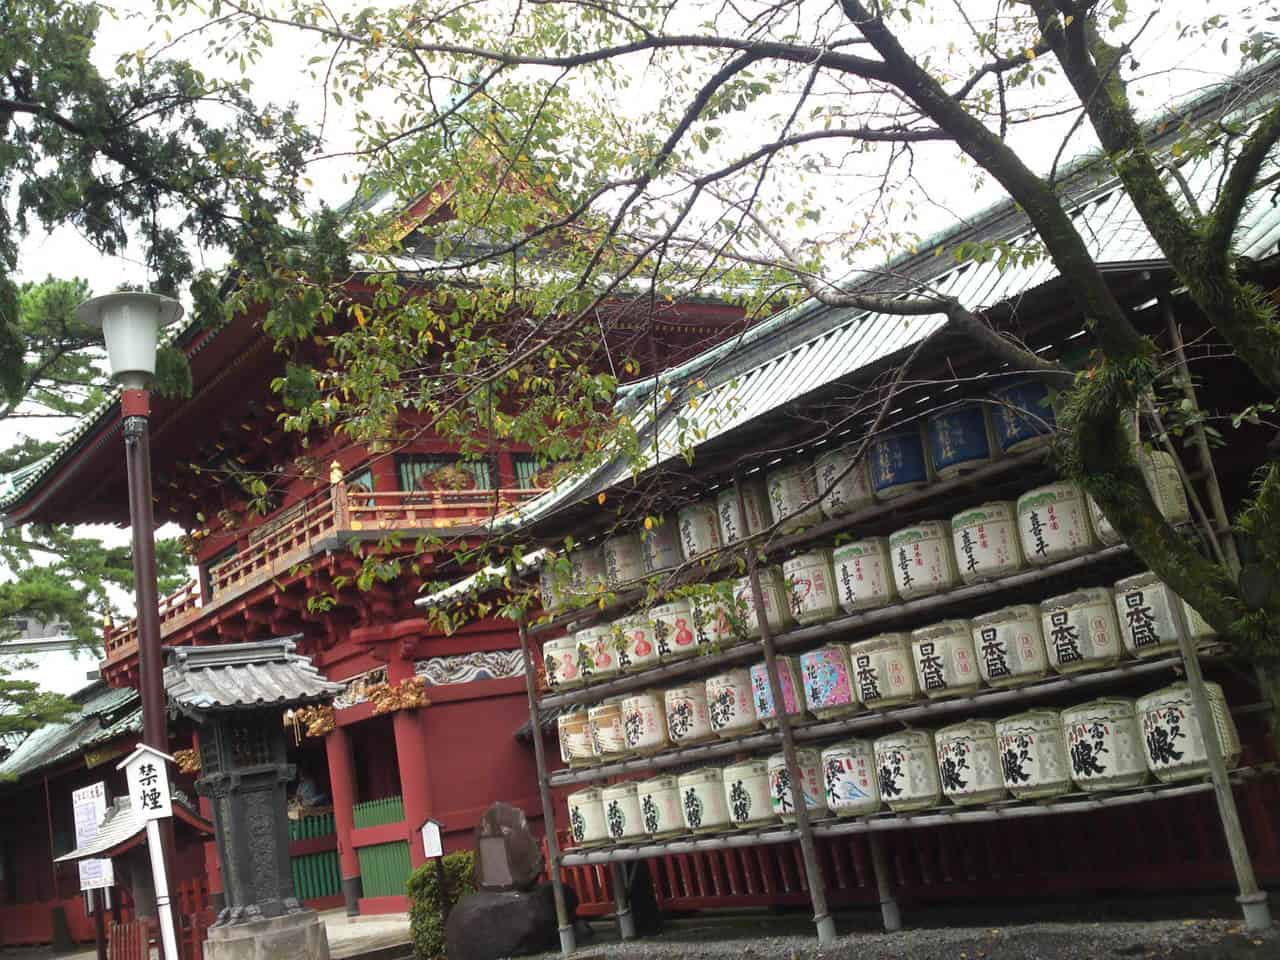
column 889, row 912
column 622, row 901
column 99, row 923
column 813, row 871
column 563, row 920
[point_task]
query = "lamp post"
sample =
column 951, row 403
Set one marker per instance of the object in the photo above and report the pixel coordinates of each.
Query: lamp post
column 130, row 324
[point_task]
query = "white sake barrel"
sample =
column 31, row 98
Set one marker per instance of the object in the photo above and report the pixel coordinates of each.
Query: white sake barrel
column 702, row 802
column 844, row 485
column 1080, row 630
column 777, row 611
column 811, row 585
column 1173, row 739
column 577, row 747
column 586, row 818
column 884, row 670
column 660, row 545
column 944, row 659
column 828, row 681
column 660, row 806
column 699, row 529
column 849, row 775
column 1104, row 743
column 607, row 736
column 597, row 656
column 864, row 574
column 1163, row 483
column 733, row 526
column 553, row 585
column 923, row 559
column 1033, row 753
column 560, row 661
column 762, row 694
column 986, row 541
column 790, row 488
column 907, row 770
column 673, row 629
column 634, row 643
column 1197, row 625
column 644, row 722
column 969, row 763
column 1053, row 524
column 623, row 559
column 815, row 795
column 687, row 719
column 1009, row 644
column 1146, row 610
column 713, row 621
column 587, row 566
column 622, row 811
column 730, row 705
column 746, row 791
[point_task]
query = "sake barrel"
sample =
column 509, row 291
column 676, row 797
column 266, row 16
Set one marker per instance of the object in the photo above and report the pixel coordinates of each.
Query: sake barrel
column 1022, row 416
column 907, row 771
column 1173, row 738
column 1197, row 625
column 1165, row 486
column 673, row 629
column 1146, row 611
column 1009, row 644
column 622, row 811
column 733, row 526
column 762, row 694
column 597, row 655
column 777, row 612
column 884, row 670
column 811, row 586
column 623, row 559
column 1080, row 630
column 746, row 792
column 849, row 775
column 634, row 642
column 699, row 529
column 923, row 559
column 845, row 485
column 828, row 681
column 586, row 818
column 687, row 719
column 1104, row 743
column 607, row 736
column 986, row 542
column 702, row 800
column 576, row 746
column 644, row 722
column 792, row 496
column 660, row 806
column 588, row 575
column 1053, row 524
column 898, row 463
column 730, row 704
column 1033, row 755
column 944, row 659
column 552, row 584
column 560, row 661
column 660, row 545
column 815, row 795
column 969, row 763
column 713, row 622
column 958, row 439
column 864, row 574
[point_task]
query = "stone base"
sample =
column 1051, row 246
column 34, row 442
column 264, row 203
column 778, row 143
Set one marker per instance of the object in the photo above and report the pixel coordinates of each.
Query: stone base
column 298, row 936
column 490, row 926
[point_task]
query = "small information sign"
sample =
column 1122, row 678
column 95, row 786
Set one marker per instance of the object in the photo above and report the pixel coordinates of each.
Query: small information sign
column 89, row 806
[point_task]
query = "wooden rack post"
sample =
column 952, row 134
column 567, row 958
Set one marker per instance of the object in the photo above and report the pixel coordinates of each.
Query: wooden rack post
column 622, row 901
column 813, row 870
column 563, row 920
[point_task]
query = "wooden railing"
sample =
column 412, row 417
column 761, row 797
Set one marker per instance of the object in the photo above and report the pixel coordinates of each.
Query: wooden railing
column 331, row 513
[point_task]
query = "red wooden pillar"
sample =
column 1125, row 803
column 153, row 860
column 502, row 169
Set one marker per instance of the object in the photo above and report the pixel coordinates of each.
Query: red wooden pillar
column 342, row 784
column 411, row 750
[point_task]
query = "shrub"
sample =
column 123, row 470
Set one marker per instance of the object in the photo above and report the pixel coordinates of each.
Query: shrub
column 426, row 919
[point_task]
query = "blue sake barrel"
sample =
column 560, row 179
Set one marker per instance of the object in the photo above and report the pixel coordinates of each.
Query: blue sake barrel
column 1022, row 414
column 958, row 439
column 898, row 463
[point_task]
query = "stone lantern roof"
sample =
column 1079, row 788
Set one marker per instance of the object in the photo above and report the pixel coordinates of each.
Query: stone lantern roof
column 244, row 676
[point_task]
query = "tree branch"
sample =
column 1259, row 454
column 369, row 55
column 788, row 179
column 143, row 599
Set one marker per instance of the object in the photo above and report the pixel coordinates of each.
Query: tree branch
column 1240, row 181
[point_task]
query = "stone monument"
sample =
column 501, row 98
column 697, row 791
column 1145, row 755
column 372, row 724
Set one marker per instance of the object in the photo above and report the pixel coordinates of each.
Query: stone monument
column 237, row 693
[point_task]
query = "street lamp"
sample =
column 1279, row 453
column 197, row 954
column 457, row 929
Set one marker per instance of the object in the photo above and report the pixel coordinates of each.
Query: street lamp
column 130, row 324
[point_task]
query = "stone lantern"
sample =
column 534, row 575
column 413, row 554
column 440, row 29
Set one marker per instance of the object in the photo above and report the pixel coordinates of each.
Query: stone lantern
column 237, row 694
